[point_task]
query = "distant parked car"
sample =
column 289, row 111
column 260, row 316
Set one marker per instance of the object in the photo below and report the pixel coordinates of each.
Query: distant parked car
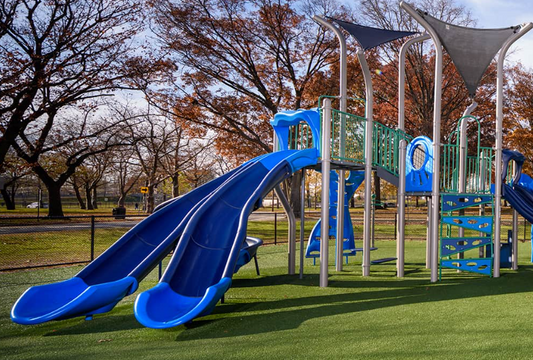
column 35, row 205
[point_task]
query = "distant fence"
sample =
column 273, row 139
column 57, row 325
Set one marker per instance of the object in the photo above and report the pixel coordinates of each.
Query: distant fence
column 31, row 242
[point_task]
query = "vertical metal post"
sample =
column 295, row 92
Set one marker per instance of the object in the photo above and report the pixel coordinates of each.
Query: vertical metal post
column 400, row 242
column 436, row 138
column 514, row 249
column 525, row 231
column 92, row 237
column 302, row 225
column 326, row 166
column 373, row 227
column 368, row 162
column 39, row 201
column 400, row 219
column 340, row 218
column 342, row 137
column 499, row 141
column 483, row 180
column 401, row 78
column 292, row 230
column 463, row 143
column 275, row 228
column 428, row 233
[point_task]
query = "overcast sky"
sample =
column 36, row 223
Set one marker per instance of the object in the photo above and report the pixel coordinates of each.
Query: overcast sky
column 504, row 13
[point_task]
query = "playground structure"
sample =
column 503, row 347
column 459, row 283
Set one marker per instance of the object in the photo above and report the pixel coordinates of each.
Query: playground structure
column 207, row 227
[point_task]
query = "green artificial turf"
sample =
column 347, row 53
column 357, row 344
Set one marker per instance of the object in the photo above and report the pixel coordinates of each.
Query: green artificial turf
column 277, row 316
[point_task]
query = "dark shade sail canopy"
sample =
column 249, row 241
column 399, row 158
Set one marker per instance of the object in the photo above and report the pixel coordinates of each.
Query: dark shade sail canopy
column 369, row 37
column 471, row 49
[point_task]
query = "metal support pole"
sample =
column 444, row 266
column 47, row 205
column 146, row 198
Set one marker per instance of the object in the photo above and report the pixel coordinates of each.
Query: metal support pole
column 326, row 166
column 292, row 230
column 340, row 220
column 499, row 141
column 401, row 78
column 436, row 138
column 400, row 242
column 400, row 228
column 302, row 225
column 275, row 228
column 373, row 227
column 368, row 162
column 92, row 237
column 342, row 136
column 428, row 233
column 463, row 144
column 514, row 251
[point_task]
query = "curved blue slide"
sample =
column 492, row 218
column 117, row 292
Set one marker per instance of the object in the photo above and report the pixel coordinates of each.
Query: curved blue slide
column 520, row 193
column 205, row 259
column 355, row 179
column 117, row 272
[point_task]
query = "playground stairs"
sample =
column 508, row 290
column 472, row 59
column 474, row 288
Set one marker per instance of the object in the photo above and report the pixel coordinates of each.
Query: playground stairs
column 462, row 232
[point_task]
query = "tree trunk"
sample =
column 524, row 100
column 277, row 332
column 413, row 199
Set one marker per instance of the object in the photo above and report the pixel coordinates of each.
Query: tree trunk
column 55, row 208
column 150, row 200
column 81, row 202
column 175, row 185
column 121, row 200
column 295, row 195
column 10, row 205
column 88, row 198
column 95, row 198
column 377, row 188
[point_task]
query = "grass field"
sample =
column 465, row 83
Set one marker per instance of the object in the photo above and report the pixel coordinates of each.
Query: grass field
column 276, row 316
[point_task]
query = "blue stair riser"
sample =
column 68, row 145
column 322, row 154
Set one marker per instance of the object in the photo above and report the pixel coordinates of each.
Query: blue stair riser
column 451, row 246
column 480, row 266
column 477, row 223
column 463, row 201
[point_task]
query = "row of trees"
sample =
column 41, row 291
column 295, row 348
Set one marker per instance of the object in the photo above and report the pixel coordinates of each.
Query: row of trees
column 213, row 72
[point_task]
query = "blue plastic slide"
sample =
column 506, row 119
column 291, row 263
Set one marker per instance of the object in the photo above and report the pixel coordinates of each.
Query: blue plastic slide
column 520, row 193
column 116, row 273
column 205, row 259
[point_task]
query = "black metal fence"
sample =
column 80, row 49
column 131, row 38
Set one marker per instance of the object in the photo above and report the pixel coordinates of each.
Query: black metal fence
column 30, row 242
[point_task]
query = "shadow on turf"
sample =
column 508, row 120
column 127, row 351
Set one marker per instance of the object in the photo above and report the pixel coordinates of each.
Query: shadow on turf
column 238, row 319
column 100, row 324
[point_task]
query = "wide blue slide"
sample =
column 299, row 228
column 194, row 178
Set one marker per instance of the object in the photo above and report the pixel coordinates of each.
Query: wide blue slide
column 201, row 269
column 209, row 227
column 117, row 272
column 203, row 263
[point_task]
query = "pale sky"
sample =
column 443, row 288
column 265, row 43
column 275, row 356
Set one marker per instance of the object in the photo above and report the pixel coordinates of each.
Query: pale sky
column 504, row 13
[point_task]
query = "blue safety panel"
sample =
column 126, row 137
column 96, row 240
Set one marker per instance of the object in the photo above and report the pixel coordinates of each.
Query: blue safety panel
column 478, row 223
column 452, row 202
column 204, row 261
column 455, row 245
column 419, row 178
column 480, row 266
